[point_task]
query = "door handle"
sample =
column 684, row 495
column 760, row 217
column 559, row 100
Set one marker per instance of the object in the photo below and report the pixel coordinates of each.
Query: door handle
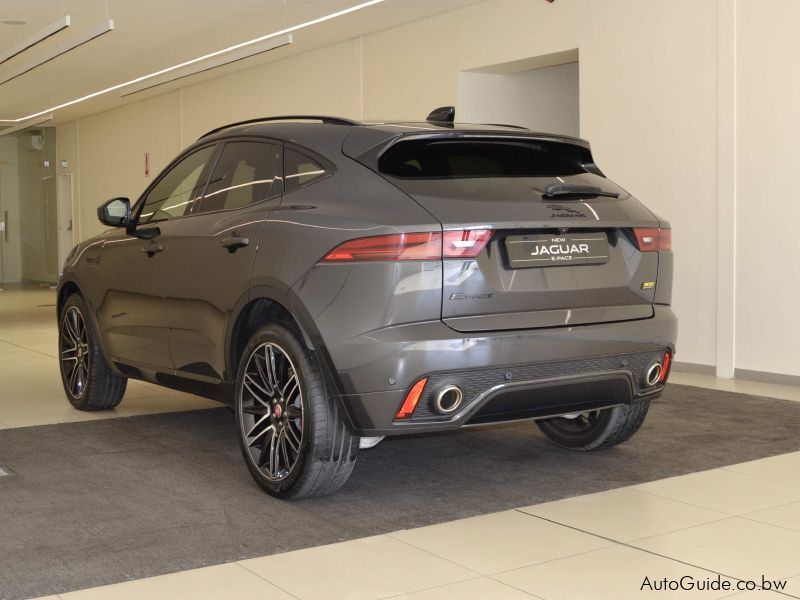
column 152, row 249
column 233, row 243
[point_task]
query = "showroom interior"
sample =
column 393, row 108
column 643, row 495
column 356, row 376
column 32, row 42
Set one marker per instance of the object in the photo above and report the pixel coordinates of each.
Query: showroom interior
column 689, row 106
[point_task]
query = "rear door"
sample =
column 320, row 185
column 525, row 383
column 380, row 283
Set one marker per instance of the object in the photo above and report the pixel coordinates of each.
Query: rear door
column 212, row 253
column 568, row 259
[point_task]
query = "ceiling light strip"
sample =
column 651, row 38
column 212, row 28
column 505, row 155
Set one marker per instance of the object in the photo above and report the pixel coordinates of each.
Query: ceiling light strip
column 34, row 39
column 60, row 50
column 213, row 64
column 112, row 88
column 39, row 121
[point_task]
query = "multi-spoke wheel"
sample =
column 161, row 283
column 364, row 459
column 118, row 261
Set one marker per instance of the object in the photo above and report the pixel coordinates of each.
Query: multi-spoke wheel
column 87, row 378
column 272, row 411
column 596, row 429
column 292, row 434
column 75, row 359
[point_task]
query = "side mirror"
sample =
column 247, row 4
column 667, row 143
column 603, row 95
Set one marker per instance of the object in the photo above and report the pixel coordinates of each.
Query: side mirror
column 115, row 213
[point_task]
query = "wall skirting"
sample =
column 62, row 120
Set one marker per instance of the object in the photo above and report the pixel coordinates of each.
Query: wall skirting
column 765, row 377
column 687, row 367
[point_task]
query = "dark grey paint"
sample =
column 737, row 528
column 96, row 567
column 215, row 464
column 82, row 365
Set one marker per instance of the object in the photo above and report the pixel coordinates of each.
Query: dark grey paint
column 376, row 327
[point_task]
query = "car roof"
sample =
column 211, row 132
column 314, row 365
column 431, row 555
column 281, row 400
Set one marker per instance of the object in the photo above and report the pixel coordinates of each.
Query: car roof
column 327, row 135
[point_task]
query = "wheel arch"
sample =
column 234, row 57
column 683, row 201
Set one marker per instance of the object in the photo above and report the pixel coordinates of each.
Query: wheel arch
column 65, row 290
column 266, row 304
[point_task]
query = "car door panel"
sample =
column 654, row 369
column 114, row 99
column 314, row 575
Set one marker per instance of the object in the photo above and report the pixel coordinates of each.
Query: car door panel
column 211, row 259
column 131, row 309
column 205, row 281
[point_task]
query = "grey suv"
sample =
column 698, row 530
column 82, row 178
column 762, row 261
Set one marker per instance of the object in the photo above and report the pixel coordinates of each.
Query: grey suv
column 337, row 281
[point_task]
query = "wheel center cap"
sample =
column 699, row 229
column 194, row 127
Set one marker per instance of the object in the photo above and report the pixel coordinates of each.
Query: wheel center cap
column 278, row 410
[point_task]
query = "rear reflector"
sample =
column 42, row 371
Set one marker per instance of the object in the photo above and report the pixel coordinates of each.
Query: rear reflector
column 665, row 367
column 410, row 403
column 651, row 239
column 466, row 243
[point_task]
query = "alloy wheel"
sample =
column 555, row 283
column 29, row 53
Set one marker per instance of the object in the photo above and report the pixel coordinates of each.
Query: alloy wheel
column 576, row 423
column 271, row 411
column 74, row 352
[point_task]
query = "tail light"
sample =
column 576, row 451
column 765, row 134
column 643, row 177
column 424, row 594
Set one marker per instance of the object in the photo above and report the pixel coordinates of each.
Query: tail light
column 652, row 239
column 412, row 398
column 466, row 243
column 397, row 246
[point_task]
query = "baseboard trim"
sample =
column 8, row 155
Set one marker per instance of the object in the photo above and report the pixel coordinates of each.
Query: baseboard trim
column 766, row 377
column 696, row 368
column 745, row 374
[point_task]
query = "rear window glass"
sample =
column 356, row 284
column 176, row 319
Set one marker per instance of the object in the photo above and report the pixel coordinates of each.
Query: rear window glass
column 300, row 169
column 454, row 159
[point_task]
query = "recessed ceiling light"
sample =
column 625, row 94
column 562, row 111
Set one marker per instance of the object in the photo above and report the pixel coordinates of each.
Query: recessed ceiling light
column 13, row 22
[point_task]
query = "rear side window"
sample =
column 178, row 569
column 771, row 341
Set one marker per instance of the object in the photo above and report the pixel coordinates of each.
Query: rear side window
column 301, row 169
column 246, row 173
column 461, row 158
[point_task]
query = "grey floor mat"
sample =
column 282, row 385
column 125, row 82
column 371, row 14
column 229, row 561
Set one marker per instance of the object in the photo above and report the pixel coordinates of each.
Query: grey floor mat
column 105, row 501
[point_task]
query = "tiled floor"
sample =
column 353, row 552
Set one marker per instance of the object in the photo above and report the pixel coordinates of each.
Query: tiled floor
column 737, row 523
column 30, row 385
column 594, row 547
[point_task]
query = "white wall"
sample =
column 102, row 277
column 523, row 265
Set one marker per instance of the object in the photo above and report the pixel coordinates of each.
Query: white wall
column 544, row 99
column 649, row 103
column 768, row 198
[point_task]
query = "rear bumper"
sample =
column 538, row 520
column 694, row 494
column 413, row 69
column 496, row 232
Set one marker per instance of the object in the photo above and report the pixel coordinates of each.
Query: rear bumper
column 507, row 375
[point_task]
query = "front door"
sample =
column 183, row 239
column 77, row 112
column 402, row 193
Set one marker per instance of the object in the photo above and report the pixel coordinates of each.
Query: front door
column 131, row 311
column 211, row 257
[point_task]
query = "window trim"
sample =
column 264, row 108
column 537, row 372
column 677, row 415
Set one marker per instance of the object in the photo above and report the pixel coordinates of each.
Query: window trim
column 140, row 201
column 222, row 143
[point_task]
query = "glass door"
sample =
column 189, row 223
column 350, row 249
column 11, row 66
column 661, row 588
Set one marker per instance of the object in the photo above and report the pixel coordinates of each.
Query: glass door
column 28, row 208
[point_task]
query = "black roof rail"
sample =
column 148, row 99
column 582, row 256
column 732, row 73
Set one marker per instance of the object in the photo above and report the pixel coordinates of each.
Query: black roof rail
column 321, row 118
column 506, row 125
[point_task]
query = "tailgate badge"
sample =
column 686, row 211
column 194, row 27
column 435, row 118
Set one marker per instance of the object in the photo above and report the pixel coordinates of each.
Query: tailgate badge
column 648, row 285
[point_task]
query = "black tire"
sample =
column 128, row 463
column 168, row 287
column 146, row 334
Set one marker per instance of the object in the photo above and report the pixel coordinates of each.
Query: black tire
column 596, row 430
column 88, row 380
column 327, row 449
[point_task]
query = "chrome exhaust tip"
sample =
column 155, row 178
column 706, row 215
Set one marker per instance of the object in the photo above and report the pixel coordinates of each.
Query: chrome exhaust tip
column 448, row 399
column 653, row 374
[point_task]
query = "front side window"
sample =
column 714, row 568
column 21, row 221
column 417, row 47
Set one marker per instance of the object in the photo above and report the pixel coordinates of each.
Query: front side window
column 246, row 173
column 301, row 170
column 173, row 195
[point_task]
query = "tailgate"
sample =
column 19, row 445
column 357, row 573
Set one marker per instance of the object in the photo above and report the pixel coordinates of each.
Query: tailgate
column 549, row 263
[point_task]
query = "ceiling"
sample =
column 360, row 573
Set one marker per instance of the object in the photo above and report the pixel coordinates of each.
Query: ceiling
column 150, row 35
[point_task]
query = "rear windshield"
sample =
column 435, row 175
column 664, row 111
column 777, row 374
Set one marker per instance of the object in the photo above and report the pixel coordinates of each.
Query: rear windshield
column 461, row 158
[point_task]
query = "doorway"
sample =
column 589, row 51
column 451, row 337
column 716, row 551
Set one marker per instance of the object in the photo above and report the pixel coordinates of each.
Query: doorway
column 540, row 93
column 29, row 250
